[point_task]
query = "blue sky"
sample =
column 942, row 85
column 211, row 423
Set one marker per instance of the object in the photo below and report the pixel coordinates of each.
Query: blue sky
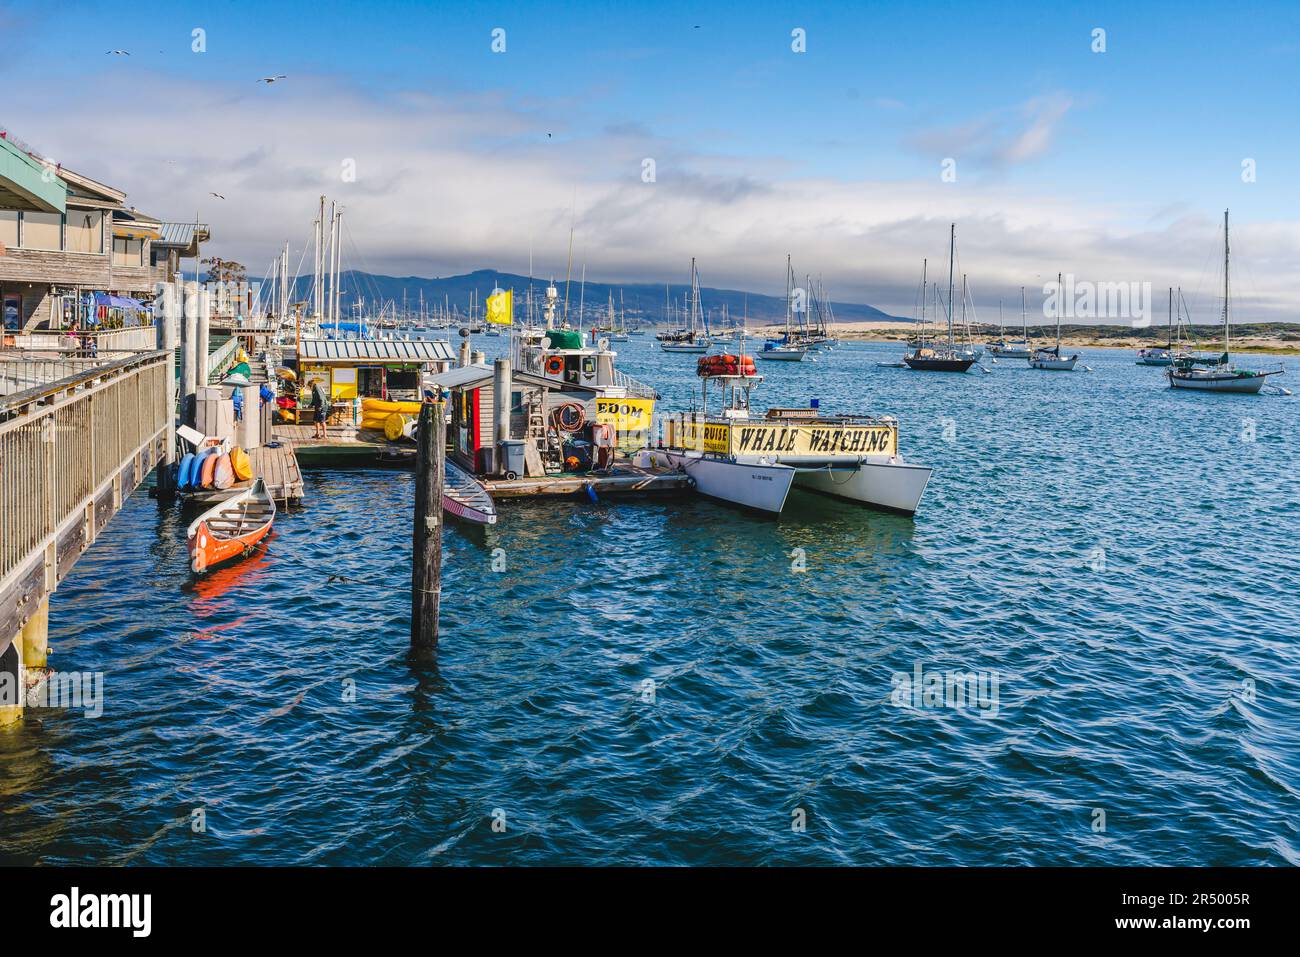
column 1088, row 160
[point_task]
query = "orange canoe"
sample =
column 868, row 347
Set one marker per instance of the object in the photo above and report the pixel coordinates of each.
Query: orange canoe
column 231, row 528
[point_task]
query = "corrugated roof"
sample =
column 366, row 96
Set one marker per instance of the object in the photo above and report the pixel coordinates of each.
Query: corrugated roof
column 378, row 350
column 455, row 378
column 180, row 234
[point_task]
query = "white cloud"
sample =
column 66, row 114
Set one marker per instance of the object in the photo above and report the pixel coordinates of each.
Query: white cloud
column 451, row 183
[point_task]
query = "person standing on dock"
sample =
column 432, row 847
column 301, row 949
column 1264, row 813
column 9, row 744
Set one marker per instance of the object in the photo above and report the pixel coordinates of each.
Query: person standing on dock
column 319, row 408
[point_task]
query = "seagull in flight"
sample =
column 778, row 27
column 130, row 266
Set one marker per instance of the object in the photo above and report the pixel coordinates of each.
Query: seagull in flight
column 268, row 80
column 117, row 52
column 218, row 195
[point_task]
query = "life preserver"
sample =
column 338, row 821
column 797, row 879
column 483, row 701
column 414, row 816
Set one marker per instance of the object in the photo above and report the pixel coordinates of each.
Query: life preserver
column 602, row 435
column 554, row 365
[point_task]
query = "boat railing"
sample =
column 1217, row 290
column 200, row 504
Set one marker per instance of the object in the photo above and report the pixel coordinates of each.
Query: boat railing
column 634, row 387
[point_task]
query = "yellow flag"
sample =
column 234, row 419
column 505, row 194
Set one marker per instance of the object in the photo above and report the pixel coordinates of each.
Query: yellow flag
column 501, row 308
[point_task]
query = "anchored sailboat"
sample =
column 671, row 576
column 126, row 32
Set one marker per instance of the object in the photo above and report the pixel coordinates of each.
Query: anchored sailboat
column 689, row 338
column 1051, row 359
column 944, row 358
column 1218, row 375
column 1017, row 348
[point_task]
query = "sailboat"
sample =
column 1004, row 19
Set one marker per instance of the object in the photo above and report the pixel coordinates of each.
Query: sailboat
column 1016, row 348
column 619, row 332
column 789, row 347
column 1219, row 374
column 1051, row 359
column 944, row 358
column 1160, row 355
column 689, row 338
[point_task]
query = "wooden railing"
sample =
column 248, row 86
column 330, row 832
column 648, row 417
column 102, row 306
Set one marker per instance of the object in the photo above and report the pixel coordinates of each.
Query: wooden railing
column 71, row 451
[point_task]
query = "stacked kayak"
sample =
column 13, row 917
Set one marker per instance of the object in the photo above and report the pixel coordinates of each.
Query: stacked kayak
column 210, row 468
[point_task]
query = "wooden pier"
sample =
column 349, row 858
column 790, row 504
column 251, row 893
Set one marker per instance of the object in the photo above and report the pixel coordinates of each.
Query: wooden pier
column 346, row 445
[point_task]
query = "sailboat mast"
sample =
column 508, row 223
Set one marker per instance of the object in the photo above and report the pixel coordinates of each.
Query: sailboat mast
column 1024, row 319
column 952, row 249
column 1225, row 283
column 1171, row 318
column 1060, row 292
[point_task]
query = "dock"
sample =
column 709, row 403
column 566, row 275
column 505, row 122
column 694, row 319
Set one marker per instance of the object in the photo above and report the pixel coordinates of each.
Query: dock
column 277, row 466
column 623, row 479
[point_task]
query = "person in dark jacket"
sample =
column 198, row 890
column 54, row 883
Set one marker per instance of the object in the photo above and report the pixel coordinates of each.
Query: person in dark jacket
column 320, row 407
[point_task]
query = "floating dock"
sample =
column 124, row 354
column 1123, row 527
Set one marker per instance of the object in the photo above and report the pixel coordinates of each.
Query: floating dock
column 276, row 466
column 623, row 479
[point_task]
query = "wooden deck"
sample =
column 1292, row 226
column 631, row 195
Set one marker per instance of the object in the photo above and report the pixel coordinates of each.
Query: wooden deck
column 278, row 467
column 624, row 479
column 346, row 445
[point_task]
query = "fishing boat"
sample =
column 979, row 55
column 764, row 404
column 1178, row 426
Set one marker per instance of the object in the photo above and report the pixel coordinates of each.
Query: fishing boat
column 1218, row 374
column 231, row 528
column 691, row 337
column 942, row 357
column 754, row 462
column 1051, row 359
column 1020, row 348
column 465, row 497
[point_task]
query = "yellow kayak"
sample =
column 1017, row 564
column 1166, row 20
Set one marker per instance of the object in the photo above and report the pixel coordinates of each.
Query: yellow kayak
column 395, row 426
column 382, row 407
column 241, row 465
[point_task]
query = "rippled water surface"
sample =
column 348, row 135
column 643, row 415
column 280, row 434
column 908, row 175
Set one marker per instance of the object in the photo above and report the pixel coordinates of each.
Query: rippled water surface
column 651, row 682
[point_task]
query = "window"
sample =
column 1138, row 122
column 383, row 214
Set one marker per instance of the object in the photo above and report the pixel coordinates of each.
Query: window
column 85, row 231
column 42, row 230
column 9, row 227
column 127, row 251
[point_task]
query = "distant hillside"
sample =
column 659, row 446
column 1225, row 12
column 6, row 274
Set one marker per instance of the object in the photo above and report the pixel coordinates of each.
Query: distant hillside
column 643, row 302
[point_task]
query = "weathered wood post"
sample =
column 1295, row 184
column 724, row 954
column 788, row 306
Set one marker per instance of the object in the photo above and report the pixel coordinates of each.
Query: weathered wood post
column 205, row 334
column 167, row 341
column 500, row 411
column 426, row 558
column 189, row 350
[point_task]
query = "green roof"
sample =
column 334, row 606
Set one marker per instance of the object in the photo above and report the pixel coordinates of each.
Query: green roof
column 25, row 183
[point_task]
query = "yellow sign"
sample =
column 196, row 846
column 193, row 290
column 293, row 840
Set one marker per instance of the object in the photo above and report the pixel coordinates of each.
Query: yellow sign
column 501, row 308
column 626, row 415
column 779, row 440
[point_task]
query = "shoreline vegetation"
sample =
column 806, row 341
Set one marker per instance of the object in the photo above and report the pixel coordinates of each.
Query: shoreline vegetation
column 1265, row 338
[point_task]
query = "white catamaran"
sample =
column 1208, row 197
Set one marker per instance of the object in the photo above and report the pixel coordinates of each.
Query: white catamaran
column 754, row 461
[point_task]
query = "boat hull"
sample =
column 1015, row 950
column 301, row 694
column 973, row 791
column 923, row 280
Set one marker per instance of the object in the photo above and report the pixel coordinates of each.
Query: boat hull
column 780, row 355
column 230, row 529
column 893, row 485
column 464, row 497
column 684, row 347
column 762, row 487
column 1054, row 365
column 938, row 365
column 1240, row 385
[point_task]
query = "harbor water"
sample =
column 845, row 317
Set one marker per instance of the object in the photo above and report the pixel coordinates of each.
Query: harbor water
column 1110, row 562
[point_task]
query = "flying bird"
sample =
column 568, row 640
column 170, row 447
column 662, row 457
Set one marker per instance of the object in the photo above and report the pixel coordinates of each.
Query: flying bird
column 117, row 53
column 271, row 79
column 218, row 195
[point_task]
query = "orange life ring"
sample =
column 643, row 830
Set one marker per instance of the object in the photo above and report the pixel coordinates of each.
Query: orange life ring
column 554, row 365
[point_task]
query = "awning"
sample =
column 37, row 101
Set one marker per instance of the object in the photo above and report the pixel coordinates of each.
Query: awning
column 117, row 302
column 135, row 231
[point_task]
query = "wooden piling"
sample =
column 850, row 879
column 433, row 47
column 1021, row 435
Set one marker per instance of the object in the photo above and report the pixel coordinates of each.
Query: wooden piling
column 189, row 351
column 167, row 341
column 426, row 558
